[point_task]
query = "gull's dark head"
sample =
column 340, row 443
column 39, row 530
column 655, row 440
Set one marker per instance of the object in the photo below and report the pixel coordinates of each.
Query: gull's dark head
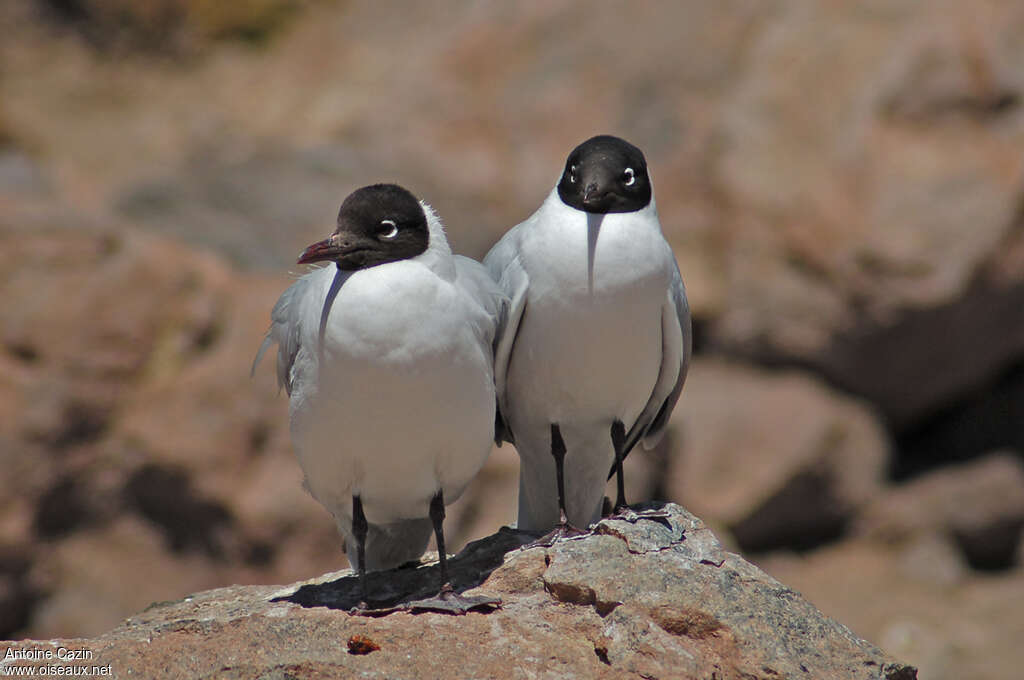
column 605, row 174
column 376, row 224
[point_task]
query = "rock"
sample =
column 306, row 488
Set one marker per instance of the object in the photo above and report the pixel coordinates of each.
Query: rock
column 979, row 506
column 94, row 575
column 235, row 207
column 776, row 456
column 654, row 599
column 918, row 600
column 986, row 420
column 852, row 181
column 817, row 187
column 136, row 448
column 17, row 592
column 175, row 26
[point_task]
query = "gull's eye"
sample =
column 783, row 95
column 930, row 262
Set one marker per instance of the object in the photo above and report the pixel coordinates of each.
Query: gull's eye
column 389, row 230
column 629, row 176
column 572, row 174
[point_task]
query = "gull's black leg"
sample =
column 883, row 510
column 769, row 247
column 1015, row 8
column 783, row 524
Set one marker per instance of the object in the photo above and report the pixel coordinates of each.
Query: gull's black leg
column 558, row 453
column 447, row 600
column 622, row 509
column 359, row 529
column 618, row 443
column 564, row 529
column 437, row 517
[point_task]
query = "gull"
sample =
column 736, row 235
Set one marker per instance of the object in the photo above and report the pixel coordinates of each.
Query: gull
column 387, row 358
column 598, row 340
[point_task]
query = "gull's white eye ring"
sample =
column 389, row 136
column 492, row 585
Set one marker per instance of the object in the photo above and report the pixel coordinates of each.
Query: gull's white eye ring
column 390, row 233
column 572, row 174
column 630, row 177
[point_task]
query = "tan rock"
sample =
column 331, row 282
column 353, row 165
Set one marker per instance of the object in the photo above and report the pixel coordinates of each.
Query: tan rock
column 948, row 624
column 978, row 505
column 775, row 455
column 651, row 598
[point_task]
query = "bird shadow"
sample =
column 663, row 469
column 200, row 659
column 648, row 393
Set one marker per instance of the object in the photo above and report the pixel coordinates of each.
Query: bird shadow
column 391, row 590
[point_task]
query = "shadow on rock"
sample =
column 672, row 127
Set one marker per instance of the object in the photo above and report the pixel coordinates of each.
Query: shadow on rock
column 390, row 590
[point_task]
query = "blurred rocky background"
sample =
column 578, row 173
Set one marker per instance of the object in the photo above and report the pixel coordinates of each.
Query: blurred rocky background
column 843, row 184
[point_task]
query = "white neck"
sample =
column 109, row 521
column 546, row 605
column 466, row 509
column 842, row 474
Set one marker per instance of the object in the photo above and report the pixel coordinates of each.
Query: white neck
column 438, row 255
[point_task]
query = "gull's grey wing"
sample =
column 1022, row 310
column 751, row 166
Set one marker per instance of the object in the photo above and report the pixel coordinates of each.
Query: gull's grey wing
column 476, row 282
column 503, row 265
column 676, row 348
column 284, row 331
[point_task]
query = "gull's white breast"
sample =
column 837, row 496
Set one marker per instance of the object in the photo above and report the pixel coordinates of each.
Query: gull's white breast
column 397, row 400
column 590, row 342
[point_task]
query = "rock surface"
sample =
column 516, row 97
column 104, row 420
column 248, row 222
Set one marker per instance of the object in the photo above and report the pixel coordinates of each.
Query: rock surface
column 978, row 506
column 935, row 560
column 654, row 599
column 918, row 600
column 847, row 198
column 822, row 455
column 140, row 460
